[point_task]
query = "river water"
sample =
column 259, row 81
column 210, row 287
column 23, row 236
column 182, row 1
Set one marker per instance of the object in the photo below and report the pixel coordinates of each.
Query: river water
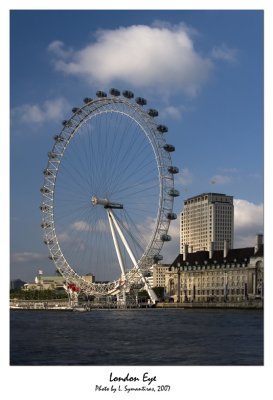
column 137, row 337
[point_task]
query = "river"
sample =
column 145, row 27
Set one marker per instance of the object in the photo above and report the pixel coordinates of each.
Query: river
column 137, row 337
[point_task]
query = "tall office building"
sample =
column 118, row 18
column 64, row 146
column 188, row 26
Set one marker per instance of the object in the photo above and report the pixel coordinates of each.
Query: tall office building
column 207, row 221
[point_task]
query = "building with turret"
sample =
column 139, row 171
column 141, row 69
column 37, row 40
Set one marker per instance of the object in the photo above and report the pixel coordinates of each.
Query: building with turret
column 229, row 275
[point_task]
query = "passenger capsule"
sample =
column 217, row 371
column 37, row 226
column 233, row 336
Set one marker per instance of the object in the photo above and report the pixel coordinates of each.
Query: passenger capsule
column 152, row 112
column 44, row 207
column 48, row 241
column 87, row 100
column 114, row 92
column 171, row 216
column 128, row 94
column 76, row 110
column 173, row 193
column 100, row 93
column 44, row 190
column 52, row 155
column 45, row 225
column 162, row 128
column 169, row 148
column 141, row 101
column 53, row 258
column 67, row 124
column 158, row 257
column 47, row 172
column 165, row 238
column 58, row 138
column 173, row 170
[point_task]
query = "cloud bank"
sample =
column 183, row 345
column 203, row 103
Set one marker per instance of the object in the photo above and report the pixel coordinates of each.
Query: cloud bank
column 160, row 56
column 248, row 222
column 49, row 110
column 224, row 53
column 27, row 257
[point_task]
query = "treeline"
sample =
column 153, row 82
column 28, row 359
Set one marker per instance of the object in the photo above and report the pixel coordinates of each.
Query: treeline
column 51, row 294
column 37, row 294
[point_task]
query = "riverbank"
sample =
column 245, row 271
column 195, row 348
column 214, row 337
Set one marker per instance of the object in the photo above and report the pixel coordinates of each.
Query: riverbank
column 61, row 305
column 255, row 304
column 57, row 305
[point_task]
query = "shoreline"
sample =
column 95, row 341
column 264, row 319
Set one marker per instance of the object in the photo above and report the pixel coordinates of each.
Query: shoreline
column 44, row 306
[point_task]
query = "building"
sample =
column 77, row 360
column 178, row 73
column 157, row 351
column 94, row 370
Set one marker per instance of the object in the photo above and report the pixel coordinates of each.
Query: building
column 229, row 275
column 55, row 282
column 42, row 282
column 159, row 271
column 207, row 220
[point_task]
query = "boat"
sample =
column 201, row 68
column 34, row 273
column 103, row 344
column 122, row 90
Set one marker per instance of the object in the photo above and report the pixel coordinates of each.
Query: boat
column 79, row 309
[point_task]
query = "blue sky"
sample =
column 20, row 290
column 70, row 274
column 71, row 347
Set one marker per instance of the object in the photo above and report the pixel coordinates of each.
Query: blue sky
column 203, row 71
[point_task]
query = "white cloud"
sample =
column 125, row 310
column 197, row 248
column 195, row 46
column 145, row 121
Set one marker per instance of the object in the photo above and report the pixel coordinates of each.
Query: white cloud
column 171, row 249
column 63, row 237
column 27, row 256
column 248, row 222
column 82, row 226
column 247, row 215
column 184, row 177
column 161, row 57
column 224, row 53
column 146, row 229
column 49, row 110
column 57, row 48
column 103, row 226
column 172, row 112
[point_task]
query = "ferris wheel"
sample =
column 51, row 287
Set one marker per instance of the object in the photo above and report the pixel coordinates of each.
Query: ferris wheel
column 108, row 193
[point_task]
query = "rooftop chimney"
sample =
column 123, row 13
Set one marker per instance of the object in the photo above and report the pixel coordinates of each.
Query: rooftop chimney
column 211, row 248
column 226, row 248
column 259, row 241
column 185, row 252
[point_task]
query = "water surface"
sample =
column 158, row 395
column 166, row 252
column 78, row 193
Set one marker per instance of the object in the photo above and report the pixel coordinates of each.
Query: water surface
column 137, row 337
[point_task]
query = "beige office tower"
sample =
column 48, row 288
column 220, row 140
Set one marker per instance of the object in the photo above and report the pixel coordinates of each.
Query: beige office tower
column 207, row 223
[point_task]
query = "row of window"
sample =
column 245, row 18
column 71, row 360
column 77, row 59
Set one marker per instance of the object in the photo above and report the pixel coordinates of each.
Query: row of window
column 233, row 278
column 214, row 266
column 213, row 292
column 212, row 285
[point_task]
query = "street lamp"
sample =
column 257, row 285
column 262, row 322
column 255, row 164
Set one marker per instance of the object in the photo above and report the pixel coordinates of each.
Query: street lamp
column 178, row 283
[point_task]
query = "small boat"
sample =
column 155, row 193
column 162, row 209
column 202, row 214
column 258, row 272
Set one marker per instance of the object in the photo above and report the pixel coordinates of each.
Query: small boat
column 79, row 309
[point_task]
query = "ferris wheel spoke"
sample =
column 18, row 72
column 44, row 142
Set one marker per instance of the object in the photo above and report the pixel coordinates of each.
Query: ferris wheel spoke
column 130, row 161
column 145, row 183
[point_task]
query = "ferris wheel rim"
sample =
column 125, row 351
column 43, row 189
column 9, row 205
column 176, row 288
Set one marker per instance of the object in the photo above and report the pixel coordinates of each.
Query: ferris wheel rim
column 166, row 185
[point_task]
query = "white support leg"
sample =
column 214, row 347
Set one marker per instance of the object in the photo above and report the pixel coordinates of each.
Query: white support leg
column 120, row 259
column 150, row 291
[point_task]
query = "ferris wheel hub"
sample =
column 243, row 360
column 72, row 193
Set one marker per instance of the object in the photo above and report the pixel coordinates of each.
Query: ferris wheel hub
column 105, row 202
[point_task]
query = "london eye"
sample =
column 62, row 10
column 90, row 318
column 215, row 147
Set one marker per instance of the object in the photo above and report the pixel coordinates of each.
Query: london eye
column 108, row 193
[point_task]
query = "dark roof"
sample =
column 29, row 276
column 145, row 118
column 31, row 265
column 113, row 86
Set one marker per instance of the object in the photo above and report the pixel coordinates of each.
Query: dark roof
column 240, row 255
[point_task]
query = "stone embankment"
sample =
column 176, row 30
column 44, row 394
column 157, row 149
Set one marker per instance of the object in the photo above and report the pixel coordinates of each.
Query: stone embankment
column 255, row 304
column 64, row 305
column 39, row 304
